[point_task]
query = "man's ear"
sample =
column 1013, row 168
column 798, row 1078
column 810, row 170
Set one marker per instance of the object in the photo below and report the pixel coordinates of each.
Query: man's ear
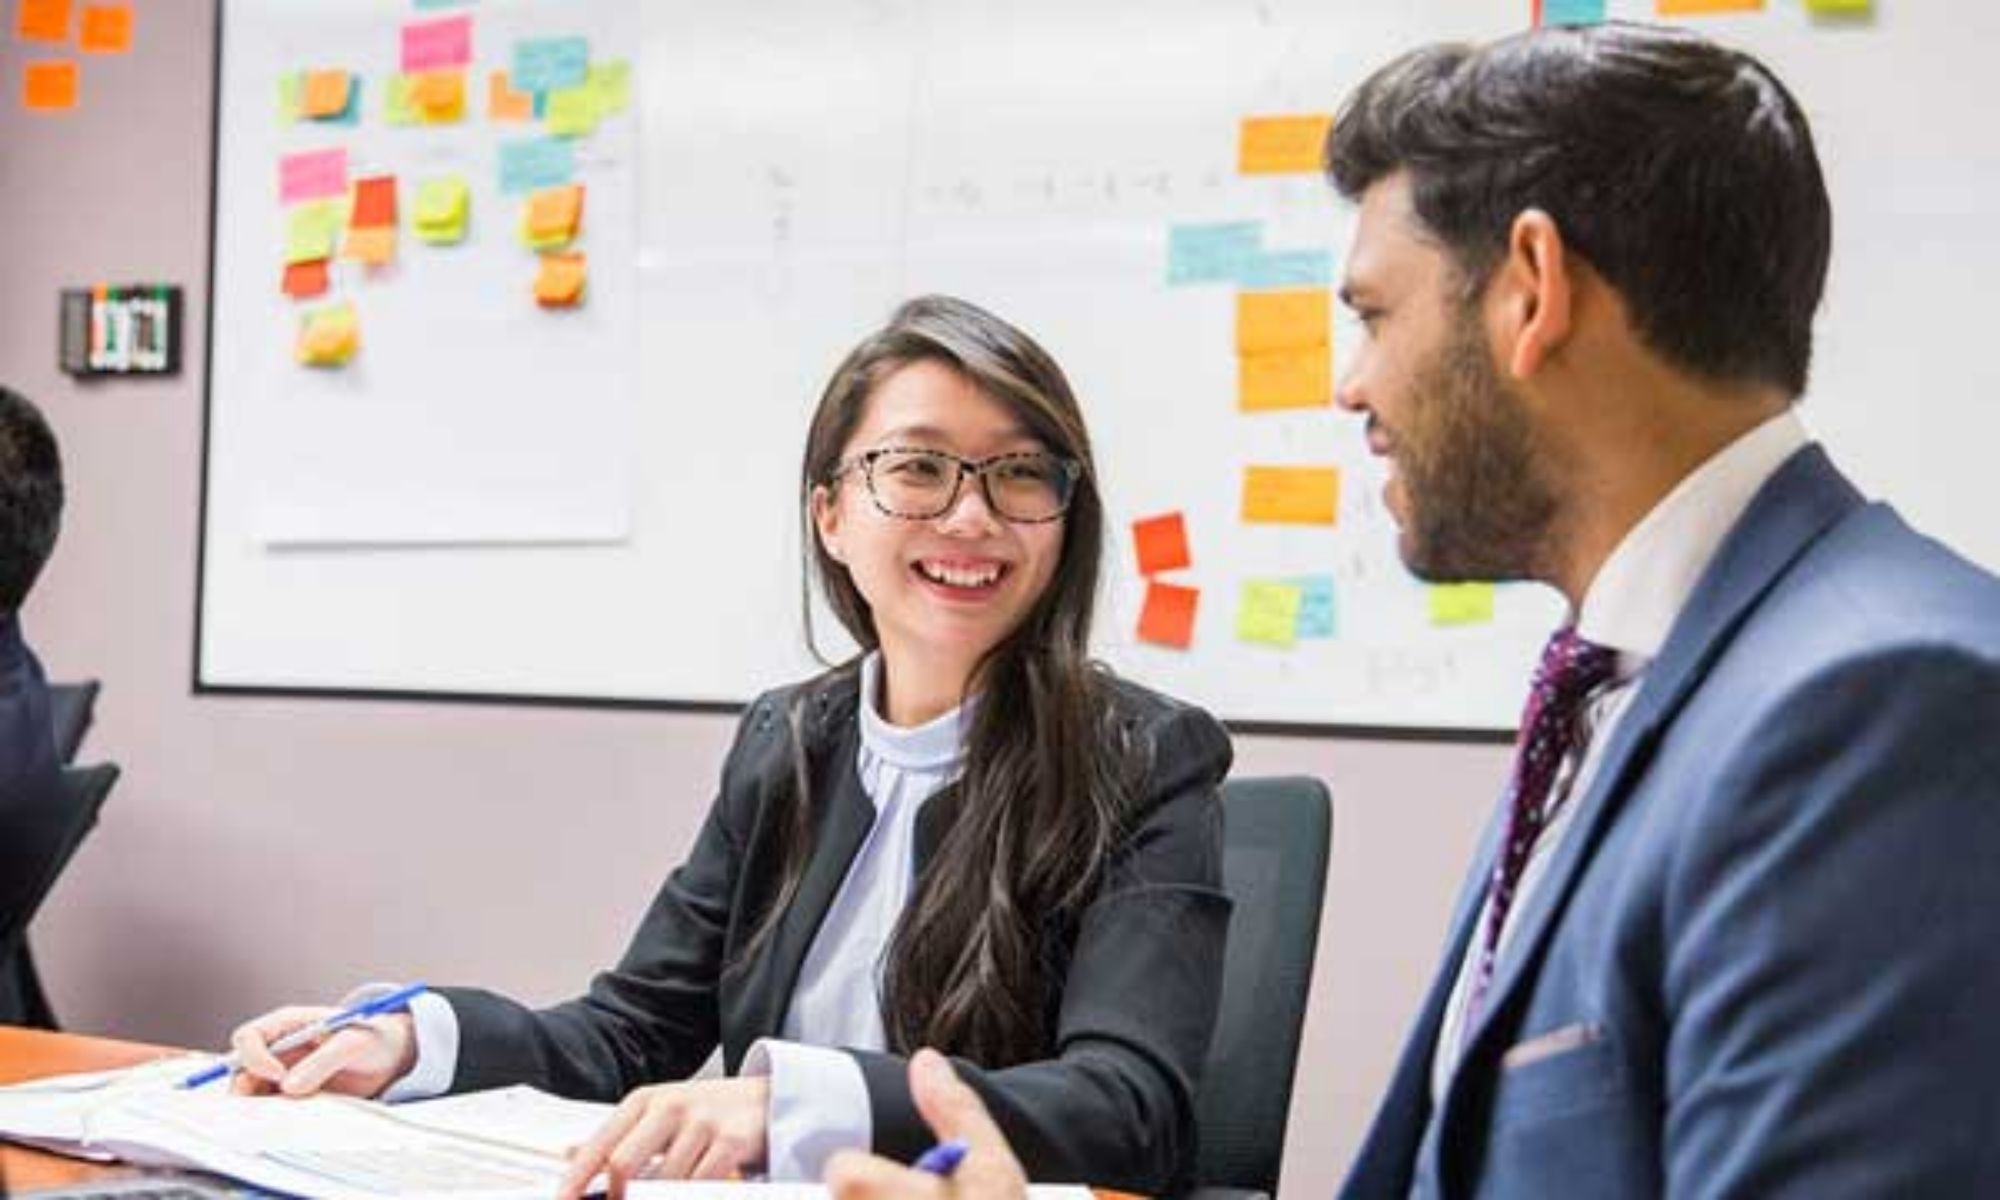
column 826, row 521
column 1529, row 296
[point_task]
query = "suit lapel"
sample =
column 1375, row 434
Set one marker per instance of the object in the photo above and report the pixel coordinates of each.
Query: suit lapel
column 1804, row 498
column 842, row 816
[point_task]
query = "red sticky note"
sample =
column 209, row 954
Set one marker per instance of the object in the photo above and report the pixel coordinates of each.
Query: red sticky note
column 1168, row 618
column 1161, row 543
column 306, row 279
column 312, row 175
column 445, row 42
column 107, row 29
column 42, row 21
column 49, row 85
column 374, row 202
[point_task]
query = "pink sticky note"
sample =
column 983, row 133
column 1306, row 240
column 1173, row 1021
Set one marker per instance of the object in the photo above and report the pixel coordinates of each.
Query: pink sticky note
column 431, row 45
column 312, row 175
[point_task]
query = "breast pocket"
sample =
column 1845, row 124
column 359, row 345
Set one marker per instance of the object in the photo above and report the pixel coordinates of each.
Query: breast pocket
column 1567, row 1120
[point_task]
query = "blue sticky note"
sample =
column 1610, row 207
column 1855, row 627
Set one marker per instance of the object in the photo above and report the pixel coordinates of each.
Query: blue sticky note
column 1572, row 12
column 1317, row 616
column 1287, row 268
column 1212, row 253
column 545, row 64
column 443, row 3
column 530, row 163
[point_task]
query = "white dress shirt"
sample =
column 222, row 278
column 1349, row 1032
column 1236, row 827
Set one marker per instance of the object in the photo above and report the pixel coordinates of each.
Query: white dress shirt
column 819, row 1101
column 1630, row 607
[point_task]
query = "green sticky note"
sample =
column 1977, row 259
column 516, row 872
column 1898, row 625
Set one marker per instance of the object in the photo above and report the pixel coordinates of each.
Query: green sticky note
column 397, row 106
column 1461, row 604
column 288, row 98
column 610, row 85
column 441, row 209
column 572, row 111
column 1840, row 8
column 1268, row 612
column 310, row 230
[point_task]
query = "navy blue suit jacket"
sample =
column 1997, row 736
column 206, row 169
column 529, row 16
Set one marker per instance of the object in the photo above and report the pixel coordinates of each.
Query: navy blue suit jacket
column 1764, row 962
column 34, row 822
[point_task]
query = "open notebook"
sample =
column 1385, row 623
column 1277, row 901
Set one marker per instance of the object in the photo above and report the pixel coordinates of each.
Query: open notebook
column 497, row 1145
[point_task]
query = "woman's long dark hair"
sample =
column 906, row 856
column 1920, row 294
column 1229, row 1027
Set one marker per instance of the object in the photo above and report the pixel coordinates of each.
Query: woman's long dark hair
column 1047, row 784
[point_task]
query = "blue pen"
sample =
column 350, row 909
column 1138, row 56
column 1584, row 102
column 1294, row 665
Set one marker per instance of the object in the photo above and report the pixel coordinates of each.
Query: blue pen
column 943, row 1158
column 393, row 1002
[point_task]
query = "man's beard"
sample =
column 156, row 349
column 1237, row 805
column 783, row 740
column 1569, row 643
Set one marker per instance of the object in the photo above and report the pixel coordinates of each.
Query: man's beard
column 1479, row 505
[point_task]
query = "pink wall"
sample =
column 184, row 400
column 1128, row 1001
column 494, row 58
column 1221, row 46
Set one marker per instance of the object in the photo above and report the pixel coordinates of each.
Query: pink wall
column 259, row 851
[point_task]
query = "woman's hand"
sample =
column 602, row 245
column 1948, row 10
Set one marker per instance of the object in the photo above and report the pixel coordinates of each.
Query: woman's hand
column 989, row 1170
column 361, row 1059
column 702, row 1129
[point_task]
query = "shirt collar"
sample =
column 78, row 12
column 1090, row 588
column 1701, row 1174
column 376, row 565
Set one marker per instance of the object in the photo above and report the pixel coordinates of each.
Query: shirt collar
column 935, row 745
column 1642, row 587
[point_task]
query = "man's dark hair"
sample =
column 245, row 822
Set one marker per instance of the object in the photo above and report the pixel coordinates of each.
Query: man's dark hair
column 1682, row 171
column 31, row 497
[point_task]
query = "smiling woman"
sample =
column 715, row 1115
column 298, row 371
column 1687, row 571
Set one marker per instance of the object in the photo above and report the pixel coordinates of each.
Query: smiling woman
column 970, row 837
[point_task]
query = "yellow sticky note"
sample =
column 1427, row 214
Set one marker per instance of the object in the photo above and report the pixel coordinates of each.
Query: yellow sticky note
column 1268, row 612
column 559, row 283
column 438, row 96
column 571, row 112
column 1281, row 379
column 1291, row 495
column 441, row 209
column 324, row 93
column 328, row 337
column 371, row 244
column 310, row 229
column 1695, row 8
column 1840, row 8
column 1284, row 145
column 1461, row 604
column 1283, row 320
column 288, row 97
column 399, row 105
column 610, row 85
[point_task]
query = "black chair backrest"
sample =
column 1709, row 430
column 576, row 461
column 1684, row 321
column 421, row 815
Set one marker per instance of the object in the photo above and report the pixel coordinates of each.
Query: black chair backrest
column 1278, row 833
column 70, row 707
column 22, row 1001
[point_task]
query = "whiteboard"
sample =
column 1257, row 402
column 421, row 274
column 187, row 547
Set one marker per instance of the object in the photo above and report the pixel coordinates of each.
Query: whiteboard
column 803, row 165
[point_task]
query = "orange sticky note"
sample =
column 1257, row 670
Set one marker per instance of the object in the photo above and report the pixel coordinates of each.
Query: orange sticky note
column 1280, row 379
column 1168, row 616
column 374, row 245
column 305, row 279
column 505, row 102
column 324, row 93
column 42, row 20
column 560, row 281
column 1161, row 543
column 555, row 212
column 374, row 202
column 1291, row 495
column 439, row 96
column 1286, row 145
column 49, row 85
column 1695, row 8
column 107, row 29
column 1283, row 320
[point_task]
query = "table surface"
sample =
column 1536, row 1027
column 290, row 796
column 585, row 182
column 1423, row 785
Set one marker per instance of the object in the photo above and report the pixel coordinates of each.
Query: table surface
column 31, row 1053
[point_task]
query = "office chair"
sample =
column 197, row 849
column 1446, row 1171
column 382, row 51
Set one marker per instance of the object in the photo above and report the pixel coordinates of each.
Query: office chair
column 22, row 1001
column 70, row 706
column 1278, row 833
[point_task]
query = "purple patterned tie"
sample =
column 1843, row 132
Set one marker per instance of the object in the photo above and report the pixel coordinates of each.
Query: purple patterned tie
column 1570, row 670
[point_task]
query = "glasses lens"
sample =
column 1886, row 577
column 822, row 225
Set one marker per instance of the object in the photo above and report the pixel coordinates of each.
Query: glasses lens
column 913, row 483
column 1029, row 487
